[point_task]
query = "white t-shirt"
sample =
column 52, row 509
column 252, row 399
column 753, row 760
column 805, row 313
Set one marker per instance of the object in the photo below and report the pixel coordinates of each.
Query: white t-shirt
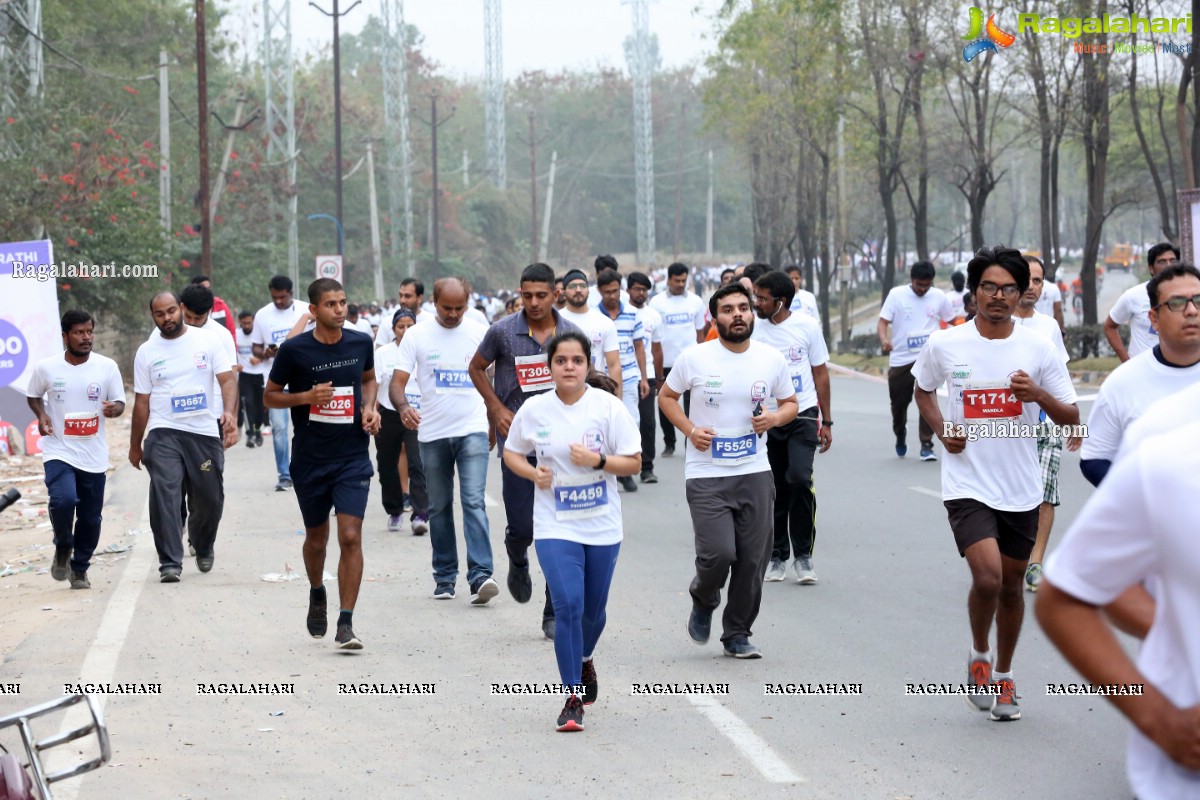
column 600, row 330
column 726, row 387
column 1161, row 416
column 1048, row 327
column 437, row 358
column 583, row 504
column 806, row 302
column 1002, row 472
column 385, row 334
column 245, row 349
column 271, row 326
column 1051, row 294
column 799, row 340
column 651, row 330
column 1133, row 309
column 386, row 359
column 955, row 301
column 179, row 375
column 226, row 339
column 362, row 324
column 682, row 315
column 913, row 320
column 1126, row 395
column 74, row 394
column 1130, row 531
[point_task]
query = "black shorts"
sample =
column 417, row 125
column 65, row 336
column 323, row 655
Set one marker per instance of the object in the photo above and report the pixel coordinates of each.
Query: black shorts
column 972, row 521
column 339, row 485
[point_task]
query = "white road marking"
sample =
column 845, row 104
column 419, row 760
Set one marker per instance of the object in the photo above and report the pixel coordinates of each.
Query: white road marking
column 923, row 490
column 100, row 663
column 760, row 754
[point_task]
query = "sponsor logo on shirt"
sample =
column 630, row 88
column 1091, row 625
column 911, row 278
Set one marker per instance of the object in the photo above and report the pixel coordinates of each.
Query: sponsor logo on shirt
column 711, row 403
column 93, row 391
column 593, row 440
column 758, row 391
column 795, row 353
column 200, row 360
column 960, row 374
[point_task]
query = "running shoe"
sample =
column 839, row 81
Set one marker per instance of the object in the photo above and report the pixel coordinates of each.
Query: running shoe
column 169, row 574
column 927, row 454
column 591, row 688
column 668, row 451
column 393, row 523
column 519, row 584
column 204, row 563
column 420, row 525
column 79, row 580
column 571, row 718
column 648, row 476
column 627, row 483
column 443, row 591
column 740, row 647
column 699, row 624
column 61, row 569
column 1033, row 577
column 548, row 627
column 979, row 674
column 484, row 589
column 318, row 617
column 258, row 439
column 282, row 485
column 805, row 575
column 1005, row 708
column 249, row 440
column 777, row 570
column 346, row 640
column 191, row 550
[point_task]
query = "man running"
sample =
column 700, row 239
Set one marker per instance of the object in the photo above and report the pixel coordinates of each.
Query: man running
column 683, row 324
column 250, row 381
column 517, row 346
column 791, row 448
column 452, row 427
column 1133, row 308
column 176, row 376
column 639, row 289
column 632, row 346
column 329, row 373
column 272, row 324
column 412, row 296
column 804, row 300
column 914, row 312
column 730, row 491
column 598, row 327
column 83, row 389
column 997, row 374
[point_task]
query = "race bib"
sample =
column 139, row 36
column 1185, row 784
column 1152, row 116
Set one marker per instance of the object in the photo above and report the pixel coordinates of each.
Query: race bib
column 990, row 400
column 533, row 373
column 798, row 383
column 189, row 403
column 917, row 342
column 339, row 410
column 453, row 381
column 279, row 336
column 580, row 496
column 625, row 347
column 81, row 425
column 414, row 400
column 730, row 448
column 677, row 319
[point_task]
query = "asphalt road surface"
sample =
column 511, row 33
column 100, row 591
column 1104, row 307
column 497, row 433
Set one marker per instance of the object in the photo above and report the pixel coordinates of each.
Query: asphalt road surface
column 889, row 610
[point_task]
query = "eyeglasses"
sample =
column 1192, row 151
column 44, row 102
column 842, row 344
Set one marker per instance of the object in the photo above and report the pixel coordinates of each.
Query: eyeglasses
column 1178, row 304
column 1010, row 290
column 1166, row 261
column 577, row 285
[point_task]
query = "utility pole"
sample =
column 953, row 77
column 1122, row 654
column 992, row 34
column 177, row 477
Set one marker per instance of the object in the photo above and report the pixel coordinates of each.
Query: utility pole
column 642, row 70
column 493, row 60
column 376, row 250
column 466, row 169
column 708, row 224
column 337, row 100
column 202, row 127
column 533, row 240
column 233, row 129
column 434, row 123
column 280, row 102
column 22, row 69
column 395, row 115
column 679, row 179
column 549, row 205
column 164, row 144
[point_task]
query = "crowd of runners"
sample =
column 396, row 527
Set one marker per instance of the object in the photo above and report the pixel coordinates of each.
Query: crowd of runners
column 568, row 382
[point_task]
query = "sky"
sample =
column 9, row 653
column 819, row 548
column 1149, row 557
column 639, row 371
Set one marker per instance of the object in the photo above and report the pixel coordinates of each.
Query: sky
column 538, row 34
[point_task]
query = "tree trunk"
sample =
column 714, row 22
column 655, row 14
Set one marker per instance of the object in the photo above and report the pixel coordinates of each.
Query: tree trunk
column 1164, row 209
column 1095, row 150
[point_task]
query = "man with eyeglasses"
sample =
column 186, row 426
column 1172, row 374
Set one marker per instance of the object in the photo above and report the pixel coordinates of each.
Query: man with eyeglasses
column 1133, row 308
column 1167, row 367
column 999, row 376
column 914, row 312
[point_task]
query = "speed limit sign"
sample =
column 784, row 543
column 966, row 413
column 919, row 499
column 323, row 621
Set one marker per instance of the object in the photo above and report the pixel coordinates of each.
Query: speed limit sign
column 329, row 267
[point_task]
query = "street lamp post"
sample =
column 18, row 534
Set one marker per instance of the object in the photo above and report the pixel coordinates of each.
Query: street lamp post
column 335, row 221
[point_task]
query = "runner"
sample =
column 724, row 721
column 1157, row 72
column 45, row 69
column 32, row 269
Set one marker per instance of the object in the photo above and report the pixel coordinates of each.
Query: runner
column 682, row 315
column 579, row 438
column 730, row 491
column 602, row 264
column 250, row 381
column 1171, row 364
column 997, row 374
column 175, row 378
column 412, row 296
column 329, row 373
column 452, row 428
column 272, row 323
column 1133, row 308
column 222, row 314
column 1049, row 444
column 914, row 312
column 632, row 346
column 516, row 345
column 639, row 288
column 598, row 327
column 804, row 300
column 791, row 448
column 83, row 388
column 395, row 442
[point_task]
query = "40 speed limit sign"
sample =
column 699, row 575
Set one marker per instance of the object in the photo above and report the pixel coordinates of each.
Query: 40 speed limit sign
column 330, row 267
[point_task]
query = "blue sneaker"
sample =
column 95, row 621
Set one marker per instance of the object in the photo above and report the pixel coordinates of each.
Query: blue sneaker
column 901, row 450
column 927, row 454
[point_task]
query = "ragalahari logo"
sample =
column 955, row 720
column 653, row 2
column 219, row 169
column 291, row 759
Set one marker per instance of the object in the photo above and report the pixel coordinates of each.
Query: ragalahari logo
column 984, row 37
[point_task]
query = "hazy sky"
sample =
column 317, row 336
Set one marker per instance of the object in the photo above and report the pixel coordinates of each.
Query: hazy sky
column 538, row 34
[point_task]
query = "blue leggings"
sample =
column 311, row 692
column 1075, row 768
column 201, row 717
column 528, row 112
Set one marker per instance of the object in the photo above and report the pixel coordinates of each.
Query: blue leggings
column 578, row 576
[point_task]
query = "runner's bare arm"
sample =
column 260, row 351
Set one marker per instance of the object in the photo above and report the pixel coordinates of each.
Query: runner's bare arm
column 137, row 429
column 275, row 397
column 821, row 382
column 229, row 396
column 370, row 391
column 881, row 331
column 1027, row 391
column 1112, row 332
column 668, row 403
column 639, row 353
column 1132, row 611
column 45, row 426
column 613, row 360
column 928, row 408
column 498, row 415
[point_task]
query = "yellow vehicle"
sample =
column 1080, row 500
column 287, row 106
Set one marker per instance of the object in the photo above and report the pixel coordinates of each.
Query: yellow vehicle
column 1120, row 256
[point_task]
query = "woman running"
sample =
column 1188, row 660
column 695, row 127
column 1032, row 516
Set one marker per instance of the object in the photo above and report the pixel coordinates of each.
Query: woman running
column 583, row 439
column 393, row 437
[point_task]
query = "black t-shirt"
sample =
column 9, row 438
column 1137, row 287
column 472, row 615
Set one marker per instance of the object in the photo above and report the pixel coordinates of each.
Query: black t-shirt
column 334, row 431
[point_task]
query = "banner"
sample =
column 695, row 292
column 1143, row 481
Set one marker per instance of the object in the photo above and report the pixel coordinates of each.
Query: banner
column 29, row 325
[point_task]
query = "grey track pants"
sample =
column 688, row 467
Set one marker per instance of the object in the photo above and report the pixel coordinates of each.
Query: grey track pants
column 184, row 464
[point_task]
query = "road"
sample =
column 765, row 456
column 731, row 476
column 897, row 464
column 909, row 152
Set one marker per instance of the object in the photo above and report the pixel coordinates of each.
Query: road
column 889, row 610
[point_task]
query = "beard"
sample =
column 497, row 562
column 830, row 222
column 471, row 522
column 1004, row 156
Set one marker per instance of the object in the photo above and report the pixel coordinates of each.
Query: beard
column 734, row 338
column 170, row 328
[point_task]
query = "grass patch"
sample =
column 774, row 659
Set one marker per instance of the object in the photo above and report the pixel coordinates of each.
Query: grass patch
column 874, row 365
column 1102, row 364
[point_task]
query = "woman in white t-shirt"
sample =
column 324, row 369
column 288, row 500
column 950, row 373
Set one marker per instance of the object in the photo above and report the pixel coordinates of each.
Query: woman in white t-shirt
column 395, row 445
column 583, row 439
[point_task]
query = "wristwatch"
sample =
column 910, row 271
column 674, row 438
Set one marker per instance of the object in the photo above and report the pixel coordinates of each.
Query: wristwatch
column 828, row 422
column 603, row 461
